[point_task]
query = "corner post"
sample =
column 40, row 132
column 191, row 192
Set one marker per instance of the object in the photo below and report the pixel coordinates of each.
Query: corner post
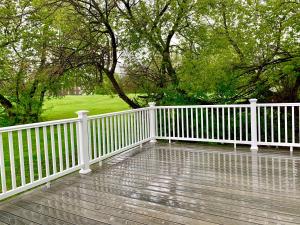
column 253, row 109
column 152, row 121
column 83, row 142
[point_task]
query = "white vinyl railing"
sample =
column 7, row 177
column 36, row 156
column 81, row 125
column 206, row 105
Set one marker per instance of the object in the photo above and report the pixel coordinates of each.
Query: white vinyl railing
column 35, row 154
column 252, row 124
column 225, row 124
column 113, row 133
column 278, row 124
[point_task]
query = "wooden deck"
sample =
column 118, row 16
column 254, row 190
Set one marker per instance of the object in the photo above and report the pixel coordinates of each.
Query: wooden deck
column 170, row 184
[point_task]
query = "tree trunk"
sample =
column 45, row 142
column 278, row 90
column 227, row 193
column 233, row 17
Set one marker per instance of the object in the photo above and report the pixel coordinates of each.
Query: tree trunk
column 121, row 93
column 293, row 95
column 168, row 67
column 7, row 105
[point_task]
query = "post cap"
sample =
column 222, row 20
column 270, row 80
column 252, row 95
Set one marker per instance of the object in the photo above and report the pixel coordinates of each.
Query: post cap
column 152, row 104
column 82, row 112
column 253, row 100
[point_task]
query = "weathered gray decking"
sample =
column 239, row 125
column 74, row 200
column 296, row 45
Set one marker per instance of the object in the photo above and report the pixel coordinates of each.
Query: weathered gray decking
column 170, row 184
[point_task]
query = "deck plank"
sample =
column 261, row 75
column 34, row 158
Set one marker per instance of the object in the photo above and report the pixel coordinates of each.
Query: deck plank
column 119, row 202
column 35, row 217
column 210, row 196
column 96, row 211
column 188, row 203
column 8, row 218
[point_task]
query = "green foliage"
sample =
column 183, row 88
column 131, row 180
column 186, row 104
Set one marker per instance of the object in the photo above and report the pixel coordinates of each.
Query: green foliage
column 174, row 51
column 249, row 49
column 29, row 67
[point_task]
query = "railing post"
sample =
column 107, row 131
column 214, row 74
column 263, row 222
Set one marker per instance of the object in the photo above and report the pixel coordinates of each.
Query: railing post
column 253, row 124
column 83, row 142
column 152, row 121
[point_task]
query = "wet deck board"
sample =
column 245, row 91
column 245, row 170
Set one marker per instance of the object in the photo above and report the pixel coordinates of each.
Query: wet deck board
column 170, row 184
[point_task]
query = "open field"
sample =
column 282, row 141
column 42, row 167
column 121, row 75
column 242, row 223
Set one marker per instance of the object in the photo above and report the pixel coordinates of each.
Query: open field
column 67, row 107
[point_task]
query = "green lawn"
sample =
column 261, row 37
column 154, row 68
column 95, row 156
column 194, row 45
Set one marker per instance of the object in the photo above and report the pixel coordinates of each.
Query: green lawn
column 67, row 107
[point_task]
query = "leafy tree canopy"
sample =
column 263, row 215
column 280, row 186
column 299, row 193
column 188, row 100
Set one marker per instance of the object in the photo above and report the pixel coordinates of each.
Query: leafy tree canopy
column 174, row 51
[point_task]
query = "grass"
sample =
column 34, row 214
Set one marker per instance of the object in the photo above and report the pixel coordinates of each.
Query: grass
column 55, row 109
column 67, row 107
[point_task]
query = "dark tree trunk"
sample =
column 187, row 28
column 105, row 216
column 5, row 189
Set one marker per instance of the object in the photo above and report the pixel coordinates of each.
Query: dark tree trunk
column 293, row 94
column 7, row 105
column 121, row 93
column 168, row 68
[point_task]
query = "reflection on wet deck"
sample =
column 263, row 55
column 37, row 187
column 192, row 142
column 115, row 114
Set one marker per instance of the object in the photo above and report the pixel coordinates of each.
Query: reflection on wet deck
column 170, row 184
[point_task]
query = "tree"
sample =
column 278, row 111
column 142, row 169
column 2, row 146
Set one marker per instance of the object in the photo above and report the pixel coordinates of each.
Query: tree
column 174, row 51
column 31, row 67
column 255, row 45
column 152, row 30
column 98, row 34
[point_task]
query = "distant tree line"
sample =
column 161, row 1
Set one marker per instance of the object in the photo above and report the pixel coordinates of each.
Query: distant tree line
column 172, row 51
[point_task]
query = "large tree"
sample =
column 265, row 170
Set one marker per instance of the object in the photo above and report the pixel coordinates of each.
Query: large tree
column 153, row 34
column 251, row 50
column 174, row 51
column 98, row 32
column 32, row 60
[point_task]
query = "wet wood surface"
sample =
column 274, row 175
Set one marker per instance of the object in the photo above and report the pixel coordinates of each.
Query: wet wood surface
column 170, row 184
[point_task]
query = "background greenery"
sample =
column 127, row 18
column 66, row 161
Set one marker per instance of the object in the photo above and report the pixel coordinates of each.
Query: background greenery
column 173, row 51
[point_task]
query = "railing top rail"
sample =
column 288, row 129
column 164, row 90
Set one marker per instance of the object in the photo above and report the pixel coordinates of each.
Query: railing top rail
column 277, row 104
column 205, row 106
column 118, row 113
column 37, row 125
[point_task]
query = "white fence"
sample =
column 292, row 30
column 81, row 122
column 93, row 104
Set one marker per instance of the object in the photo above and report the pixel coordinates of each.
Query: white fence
column 35, row 154
column 113, row 133
column 252, row 124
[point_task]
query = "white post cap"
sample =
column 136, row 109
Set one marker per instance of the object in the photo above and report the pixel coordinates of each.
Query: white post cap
column 152, row 104
column 82, row 112
column 253, row 100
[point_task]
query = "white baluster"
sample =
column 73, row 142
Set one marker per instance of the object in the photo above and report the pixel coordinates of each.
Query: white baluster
column 207, row 124
column 218, row 124
column 187, row 122
column 21, row 156
column 223, row 123
column 66, row 146
column 240, row 120
column 197, row 123
column 30, row 158
column 212, row 123
column 293, row 128
column 38, row 152
column 12, row 160
column 272, row 126
column 279, row 127
column 45, row 137
column 94, row 139
column 72, row 144
column 60, row 156
column 259, row 124
column 202, row 127
column 2, row 166
column 285, row 124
